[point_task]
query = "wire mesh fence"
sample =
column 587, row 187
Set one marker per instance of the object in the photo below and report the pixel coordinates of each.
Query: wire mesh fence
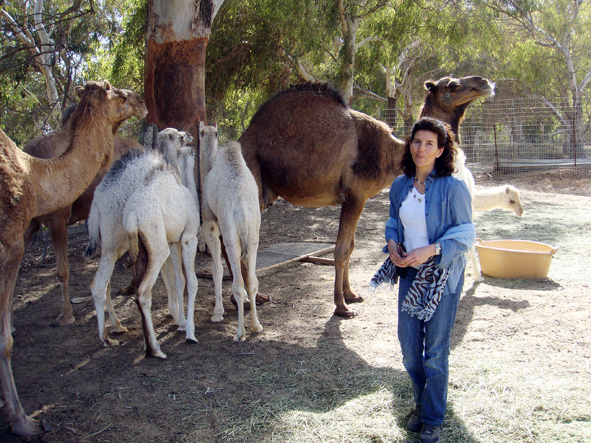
column 520, row 135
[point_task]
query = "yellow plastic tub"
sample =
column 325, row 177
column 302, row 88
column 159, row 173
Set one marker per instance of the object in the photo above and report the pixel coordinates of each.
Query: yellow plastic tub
column 515, row 258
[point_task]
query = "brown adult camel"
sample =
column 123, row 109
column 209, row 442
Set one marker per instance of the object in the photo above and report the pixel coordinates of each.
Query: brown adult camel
column 57, row 222
column 30, row 187
column 308, row 147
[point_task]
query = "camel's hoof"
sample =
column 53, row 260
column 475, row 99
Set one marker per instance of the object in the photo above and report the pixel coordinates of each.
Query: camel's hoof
column 129, row 290
column 239, row 338
column 479, row 279
column 158, row 354
column 63, row 321
column 120, row 329
column 355, row 299
column 350, row 313
column 29, row 427
column 109, row 343
column 191, row 340
column 217, row 319
column 257, row 328
column 260, row 299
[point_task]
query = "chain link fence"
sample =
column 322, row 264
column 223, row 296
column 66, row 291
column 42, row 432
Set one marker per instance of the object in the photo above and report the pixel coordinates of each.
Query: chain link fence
column 521, row 135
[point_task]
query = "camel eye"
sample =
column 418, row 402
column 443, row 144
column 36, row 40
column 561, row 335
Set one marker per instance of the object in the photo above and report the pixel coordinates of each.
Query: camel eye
column 512, row 202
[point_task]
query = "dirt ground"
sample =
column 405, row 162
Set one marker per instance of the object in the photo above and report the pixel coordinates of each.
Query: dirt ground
column 305, row 359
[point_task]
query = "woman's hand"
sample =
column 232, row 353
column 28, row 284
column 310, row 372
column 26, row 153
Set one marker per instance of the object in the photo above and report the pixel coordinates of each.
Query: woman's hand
column 418, row 256
column 396, row 253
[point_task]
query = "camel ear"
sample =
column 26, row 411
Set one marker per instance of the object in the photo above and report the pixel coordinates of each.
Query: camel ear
column 430, row 86
column 201, row 124
column 507, row 190
column 215, row 125
column 79, row 90
column 107, row 85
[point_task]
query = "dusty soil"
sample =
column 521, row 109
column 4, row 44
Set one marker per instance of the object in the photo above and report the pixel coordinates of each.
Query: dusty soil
column 210, row 391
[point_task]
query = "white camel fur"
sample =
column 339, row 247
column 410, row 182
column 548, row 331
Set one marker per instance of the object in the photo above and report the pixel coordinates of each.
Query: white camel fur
column 163, row 216
column 181, row 158
column 500, row 197
column 231, row 209
column 105, row 224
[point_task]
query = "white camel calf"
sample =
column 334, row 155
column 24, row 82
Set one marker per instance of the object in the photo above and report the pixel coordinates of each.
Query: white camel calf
column 231, row 208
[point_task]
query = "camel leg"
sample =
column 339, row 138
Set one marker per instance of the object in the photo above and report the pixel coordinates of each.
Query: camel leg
column 33, row 228
column 174, row 262
column 167, row 274
column 115, row 323
column 233, row 251
column 157, row 252
column 20, row 423
column 59, row 237
column 189, row 250
column 253, row 287
column 350, row 213
column 99, row 289
column 211, row 234
column 144, row 301
column 476, row 265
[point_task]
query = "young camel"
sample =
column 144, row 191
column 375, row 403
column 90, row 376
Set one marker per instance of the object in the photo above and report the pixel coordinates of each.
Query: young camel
column 502, row 197
column 52, row 145
column 105, row 224
column 30, row 187
column 162, row 215
column 230, row 209
column 308, row 147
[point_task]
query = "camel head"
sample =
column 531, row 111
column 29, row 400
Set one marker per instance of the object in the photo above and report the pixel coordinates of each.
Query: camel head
column 449, row 92
column 116, row 104
column 513, row 200
column 448, row 98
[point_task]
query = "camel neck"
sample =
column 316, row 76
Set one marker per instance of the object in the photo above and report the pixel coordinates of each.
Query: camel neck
column 61, row 180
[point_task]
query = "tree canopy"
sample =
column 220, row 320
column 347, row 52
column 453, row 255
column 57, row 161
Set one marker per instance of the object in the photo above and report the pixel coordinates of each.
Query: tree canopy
column 380, row 51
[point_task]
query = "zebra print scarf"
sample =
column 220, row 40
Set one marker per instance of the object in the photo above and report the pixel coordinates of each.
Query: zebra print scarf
column 422, row 298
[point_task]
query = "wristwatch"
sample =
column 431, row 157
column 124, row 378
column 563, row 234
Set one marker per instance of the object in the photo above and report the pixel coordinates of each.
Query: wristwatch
column 437, row 248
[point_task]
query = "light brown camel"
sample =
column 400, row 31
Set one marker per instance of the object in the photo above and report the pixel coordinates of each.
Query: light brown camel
column 308, row 147
column 52, row 145
column 30, row 187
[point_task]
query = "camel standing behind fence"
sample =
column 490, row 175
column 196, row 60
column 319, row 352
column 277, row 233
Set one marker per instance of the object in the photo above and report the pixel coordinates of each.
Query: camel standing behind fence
column 307, row 146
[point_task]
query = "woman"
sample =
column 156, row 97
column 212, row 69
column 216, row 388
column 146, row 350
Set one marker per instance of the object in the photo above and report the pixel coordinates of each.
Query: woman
column 428, row 233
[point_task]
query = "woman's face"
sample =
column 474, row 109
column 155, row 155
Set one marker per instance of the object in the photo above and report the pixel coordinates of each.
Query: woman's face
column 424, row 149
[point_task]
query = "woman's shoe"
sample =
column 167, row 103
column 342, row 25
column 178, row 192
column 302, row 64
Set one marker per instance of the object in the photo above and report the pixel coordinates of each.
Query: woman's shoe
column 430, row 434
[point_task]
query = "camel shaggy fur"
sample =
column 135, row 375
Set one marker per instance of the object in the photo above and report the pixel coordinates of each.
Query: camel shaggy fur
column 105, row 224
column 31, row 187
column 231, row 209
column 162, row 215
column 53, row 145
column 308, row 147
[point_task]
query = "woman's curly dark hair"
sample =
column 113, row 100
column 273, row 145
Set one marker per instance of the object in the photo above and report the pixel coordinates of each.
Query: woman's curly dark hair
column 444, row 165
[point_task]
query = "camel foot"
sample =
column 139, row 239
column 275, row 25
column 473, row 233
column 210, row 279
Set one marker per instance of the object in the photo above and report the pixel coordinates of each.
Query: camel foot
column 128, row 290
column 353, row 298
column 260, row 299
column 29, row 427
column 63, row 320
column 191, row 340
column 345, row 312
column 158, row 354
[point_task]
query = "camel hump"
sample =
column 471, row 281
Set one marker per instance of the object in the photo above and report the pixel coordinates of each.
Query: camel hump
column 299, row 94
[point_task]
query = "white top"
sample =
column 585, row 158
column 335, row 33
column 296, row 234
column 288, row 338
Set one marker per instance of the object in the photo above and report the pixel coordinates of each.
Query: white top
column 414, row 221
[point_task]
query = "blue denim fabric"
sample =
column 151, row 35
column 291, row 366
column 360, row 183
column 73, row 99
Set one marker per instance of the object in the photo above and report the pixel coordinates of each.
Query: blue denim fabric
column 425, row 350
column 447, row 203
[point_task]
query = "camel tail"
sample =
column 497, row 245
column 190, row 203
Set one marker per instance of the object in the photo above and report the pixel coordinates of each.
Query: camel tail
column 94, row 233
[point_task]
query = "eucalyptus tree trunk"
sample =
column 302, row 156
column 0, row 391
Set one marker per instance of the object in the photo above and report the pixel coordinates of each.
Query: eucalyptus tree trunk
column 176, row 41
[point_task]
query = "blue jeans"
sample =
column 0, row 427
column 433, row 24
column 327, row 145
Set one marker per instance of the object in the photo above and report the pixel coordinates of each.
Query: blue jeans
column 425, row 350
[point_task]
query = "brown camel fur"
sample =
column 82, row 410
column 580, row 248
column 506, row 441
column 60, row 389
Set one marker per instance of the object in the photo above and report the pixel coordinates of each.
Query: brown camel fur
column 308, row 147
column 52, row 145
column 30, row 187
